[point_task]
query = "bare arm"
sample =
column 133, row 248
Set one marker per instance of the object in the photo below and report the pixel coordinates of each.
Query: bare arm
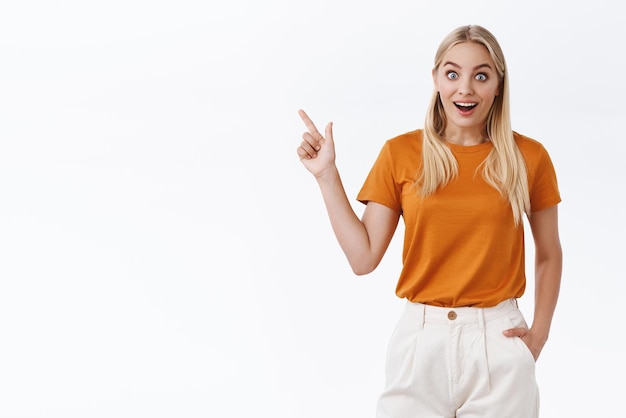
column 364, row 241
column 548, row 269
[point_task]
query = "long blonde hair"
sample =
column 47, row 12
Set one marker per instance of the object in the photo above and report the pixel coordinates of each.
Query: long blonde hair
column 504, row 168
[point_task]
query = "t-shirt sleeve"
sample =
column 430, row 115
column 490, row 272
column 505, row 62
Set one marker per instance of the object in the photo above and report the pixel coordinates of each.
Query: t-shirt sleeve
column 544, row 191
column 380, row 185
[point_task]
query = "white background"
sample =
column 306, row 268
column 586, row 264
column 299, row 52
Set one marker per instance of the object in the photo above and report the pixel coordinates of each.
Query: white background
column 163, row 253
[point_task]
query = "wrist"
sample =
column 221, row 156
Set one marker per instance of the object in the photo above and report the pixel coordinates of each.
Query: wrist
column 328, row 175
column 540, row 333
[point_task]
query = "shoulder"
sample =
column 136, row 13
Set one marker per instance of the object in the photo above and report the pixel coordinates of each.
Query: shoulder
column 538, row 161
column 401, row 151
column 527, row 144
column 407, row 141
column 532, row 149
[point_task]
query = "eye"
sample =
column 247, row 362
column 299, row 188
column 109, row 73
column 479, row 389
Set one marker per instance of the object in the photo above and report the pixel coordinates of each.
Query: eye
column 481, row 77
column 452, row 75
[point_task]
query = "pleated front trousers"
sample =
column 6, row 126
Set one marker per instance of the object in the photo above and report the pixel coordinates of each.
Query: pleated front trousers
column 455, row 362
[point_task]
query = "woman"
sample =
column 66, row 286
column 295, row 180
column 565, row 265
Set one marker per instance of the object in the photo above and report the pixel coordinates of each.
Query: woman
column 462, row 185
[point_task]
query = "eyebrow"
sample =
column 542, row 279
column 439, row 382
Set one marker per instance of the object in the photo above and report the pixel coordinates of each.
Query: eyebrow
column 485, row 65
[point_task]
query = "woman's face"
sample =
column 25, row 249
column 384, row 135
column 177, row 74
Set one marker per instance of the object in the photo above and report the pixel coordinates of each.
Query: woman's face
column 467, row 82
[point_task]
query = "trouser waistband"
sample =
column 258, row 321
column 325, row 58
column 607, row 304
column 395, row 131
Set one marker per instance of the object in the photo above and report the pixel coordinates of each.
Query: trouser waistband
column 461, row 315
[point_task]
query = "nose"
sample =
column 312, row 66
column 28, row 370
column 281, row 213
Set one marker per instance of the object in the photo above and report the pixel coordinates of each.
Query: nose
column 466, row 86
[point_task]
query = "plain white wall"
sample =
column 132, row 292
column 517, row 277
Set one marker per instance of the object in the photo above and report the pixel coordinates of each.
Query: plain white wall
column 164, row 254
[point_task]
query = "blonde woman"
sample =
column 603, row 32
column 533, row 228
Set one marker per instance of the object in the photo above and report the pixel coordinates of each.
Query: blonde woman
column 463, row 185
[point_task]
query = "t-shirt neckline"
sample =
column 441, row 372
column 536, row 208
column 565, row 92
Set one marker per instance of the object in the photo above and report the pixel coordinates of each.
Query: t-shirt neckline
column 470, row 148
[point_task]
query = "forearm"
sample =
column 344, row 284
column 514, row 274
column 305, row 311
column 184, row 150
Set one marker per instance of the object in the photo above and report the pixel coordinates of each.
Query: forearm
column 547, row 287
column 348, row 228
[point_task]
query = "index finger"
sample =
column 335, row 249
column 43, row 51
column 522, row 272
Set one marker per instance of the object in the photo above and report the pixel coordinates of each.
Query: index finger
column 308, row 122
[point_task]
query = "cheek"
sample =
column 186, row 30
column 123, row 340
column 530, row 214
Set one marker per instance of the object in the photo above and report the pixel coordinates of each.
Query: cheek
column 442, row 83
column 445, row 89
column 489, row 94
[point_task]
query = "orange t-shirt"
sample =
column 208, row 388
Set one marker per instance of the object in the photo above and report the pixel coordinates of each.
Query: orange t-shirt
column 461, row 245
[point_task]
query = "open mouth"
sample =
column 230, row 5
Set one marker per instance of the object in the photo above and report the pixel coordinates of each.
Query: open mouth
column 465, row 107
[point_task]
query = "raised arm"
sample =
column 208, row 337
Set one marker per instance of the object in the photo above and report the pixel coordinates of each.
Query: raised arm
column 364, row 241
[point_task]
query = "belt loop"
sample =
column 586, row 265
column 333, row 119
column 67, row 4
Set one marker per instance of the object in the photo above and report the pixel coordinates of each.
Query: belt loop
column 481, row 319
column 421, row 316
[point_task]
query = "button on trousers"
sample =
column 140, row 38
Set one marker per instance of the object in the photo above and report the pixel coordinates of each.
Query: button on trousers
column 455, row 362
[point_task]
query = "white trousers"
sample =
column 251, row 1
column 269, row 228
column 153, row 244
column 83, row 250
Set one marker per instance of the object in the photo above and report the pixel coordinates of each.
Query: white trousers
column 455, row 362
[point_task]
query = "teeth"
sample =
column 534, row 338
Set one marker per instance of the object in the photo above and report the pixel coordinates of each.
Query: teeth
column 466, row 104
